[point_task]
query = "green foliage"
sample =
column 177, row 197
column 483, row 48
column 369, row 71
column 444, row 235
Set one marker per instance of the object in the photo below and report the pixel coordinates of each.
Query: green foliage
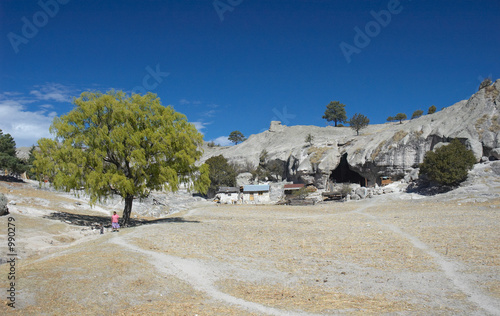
column 432, row 109
column 118, row 144
column 8, row 157
column 358, row 122
column 309, row 139
column 416, row 114
column 449, row 164
column 485, row 83
column 276, row 169
column 301, row 193
column 221, row 173
column 400, row 117
column 212, row 144
column 390, row 119
column 29, row 163
column 335, row 111
column 268, row 170
column 345, row 190
column 236, row 137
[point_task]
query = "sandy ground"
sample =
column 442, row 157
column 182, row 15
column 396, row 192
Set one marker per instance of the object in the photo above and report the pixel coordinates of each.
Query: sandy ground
column 398, row 254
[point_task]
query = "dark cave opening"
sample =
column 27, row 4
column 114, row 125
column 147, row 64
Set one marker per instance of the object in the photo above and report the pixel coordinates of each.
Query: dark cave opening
column 343, row 173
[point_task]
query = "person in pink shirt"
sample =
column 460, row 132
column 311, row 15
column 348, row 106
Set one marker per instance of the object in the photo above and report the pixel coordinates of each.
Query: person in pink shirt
column 114, row 222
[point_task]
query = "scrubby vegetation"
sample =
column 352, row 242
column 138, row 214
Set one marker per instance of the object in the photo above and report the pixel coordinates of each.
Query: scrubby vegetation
column 448, row 165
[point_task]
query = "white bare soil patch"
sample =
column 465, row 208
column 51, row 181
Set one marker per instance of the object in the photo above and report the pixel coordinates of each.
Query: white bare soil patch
column 397, row 254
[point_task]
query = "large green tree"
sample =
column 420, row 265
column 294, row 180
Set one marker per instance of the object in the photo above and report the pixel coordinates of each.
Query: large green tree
column 236, row 137
column 118, row 144
column 448, row 165
column 335, row 111
column 221, row 173
column 8, row 157
column 358, row 122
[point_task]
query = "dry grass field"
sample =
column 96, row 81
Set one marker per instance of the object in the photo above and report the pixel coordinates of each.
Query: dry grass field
column 386, row 255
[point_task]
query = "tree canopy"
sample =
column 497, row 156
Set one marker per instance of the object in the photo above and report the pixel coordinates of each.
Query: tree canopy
column 221, row 173
column 309, row 139
column 417, row 114
column 432, row 109
column 448, row 165
column 118, row 144
column 335, row 111
column 400, row 117
column 236, row 137
column 358, row 122
column 8, row 156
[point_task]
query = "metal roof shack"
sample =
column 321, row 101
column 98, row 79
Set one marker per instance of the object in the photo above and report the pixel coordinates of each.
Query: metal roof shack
column 228, row 190
column 256, row 188
column 293, row 186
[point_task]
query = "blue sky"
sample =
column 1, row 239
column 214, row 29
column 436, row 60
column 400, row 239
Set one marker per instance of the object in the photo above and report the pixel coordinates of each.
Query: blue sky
column 238, row 64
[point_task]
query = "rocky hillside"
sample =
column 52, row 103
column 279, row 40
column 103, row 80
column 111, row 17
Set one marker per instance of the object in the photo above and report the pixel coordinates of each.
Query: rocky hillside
column 390, row 149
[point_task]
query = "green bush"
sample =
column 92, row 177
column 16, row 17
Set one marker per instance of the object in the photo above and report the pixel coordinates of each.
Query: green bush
column 449, row 164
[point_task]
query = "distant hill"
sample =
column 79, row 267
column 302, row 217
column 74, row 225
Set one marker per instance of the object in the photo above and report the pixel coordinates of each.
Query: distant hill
column 390, row 149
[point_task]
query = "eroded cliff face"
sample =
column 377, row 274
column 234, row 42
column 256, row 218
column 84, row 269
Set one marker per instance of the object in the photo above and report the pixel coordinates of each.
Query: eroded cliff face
column 390, row 149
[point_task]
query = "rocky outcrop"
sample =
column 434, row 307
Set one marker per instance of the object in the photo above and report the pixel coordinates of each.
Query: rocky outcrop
column 4, row 210
column 390, row 149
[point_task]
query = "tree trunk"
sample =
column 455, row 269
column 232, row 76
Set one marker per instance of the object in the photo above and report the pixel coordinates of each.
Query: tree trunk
column 127, row 210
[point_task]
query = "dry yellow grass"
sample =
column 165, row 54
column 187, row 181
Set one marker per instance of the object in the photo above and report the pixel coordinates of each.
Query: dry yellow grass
column 330, row 258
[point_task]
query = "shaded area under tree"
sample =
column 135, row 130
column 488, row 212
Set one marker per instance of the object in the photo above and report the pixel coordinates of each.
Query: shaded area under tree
column 95, row 220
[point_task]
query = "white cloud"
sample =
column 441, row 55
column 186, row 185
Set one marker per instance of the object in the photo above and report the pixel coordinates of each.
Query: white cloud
column 200, row 126
column 24, row 126
column 222, row 140
column 210, row 113
column 53, row 91
column 187, row 102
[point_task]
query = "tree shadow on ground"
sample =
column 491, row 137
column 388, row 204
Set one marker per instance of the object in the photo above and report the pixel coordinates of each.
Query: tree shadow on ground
column 105, row 221
column 428, row 188
column 11, row 179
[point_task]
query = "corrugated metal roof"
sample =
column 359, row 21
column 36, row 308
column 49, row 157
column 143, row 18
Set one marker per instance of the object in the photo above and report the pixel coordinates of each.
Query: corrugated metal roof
column 256, row 188
column 228, row 190
column 294, row 186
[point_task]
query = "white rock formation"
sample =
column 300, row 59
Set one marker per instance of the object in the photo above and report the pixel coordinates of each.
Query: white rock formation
column 391, row 149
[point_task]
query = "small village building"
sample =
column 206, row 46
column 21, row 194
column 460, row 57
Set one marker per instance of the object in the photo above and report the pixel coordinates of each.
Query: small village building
column 256, row 194
column 228, row 195
column 385, row 180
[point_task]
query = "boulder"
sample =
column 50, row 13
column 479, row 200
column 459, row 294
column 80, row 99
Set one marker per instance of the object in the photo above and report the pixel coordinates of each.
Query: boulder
column 361, row 192
column 244, row 179
column 4, row 210
column 495, row 152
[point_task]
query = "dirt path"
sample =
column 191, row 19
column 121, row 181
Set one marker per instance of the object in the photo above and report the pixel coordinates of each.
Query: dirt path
column 450, row 268
column 199, row 276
